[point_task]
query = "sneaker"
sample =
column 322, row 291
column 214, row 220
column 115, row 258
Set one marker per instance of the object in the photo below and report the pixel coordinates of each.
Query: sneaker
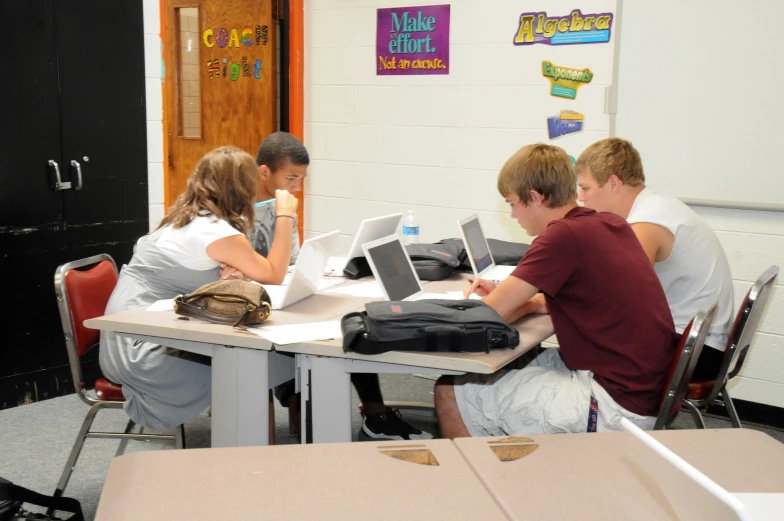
column 389, row 425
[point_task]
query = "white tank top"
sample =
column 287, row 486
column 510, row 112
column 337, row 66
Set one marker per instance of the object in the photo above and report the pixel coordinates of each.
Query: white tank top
column 697, row 270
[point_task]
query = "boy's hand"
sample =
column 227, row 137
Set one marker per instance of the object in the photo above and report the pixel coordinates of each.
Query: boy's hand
column 285, row 204
column 481, row 287
column 229, row 272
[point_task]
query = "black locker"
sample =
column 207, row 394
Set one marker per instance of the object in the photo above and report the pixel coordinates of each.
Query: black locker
column 72, row 98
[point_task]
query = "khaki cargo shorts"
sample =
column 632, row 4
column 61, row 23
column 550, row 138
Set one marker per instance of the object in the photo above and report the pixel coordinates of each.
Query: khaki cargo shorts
column 544, row 397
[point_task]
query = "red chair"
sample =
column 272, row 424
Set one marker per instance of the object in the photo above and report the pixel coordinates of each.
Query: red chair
column 703, row 393
column 82, row 294
column 682, row 367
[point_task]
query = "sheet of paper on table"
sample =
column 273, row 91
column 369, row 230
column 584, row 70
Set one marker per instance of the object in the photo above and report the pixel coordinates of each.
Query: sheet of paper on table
column 162, row 305
column 363, row 289
column 295, row 333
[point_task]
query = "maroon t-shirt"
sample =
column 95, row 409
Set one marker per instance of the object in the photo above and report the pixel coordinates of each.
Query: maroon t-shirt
column 607, row 305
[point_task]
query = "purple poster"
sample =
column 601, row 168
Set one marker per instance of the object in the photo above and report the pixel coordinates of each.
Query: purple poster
column 412, row 40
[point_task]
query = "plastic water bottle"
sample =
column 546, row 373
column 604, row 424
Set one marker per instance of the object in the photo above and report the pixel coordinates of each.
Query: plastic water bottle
column 411, row 228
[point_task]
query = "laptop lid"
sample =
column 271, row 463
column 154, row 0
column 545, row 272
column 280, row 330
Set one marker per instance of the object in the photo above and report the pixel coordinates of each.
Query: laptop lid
column 371, row 230
column 308, row 271
column 682, row 488
column 392, row 268
column 476, row 245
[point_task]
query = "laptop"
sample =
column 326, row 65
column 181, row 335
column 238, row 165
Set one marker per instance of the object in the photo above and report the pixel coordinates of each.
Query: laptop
column 369, row 230
column 693, row 495
column 304, row 279
column 393, row 269
column 479, row 252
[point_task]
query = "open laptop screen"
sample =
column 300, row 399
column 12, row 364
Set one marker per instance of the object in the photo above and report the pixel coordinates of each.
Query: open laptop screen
column 477, row 245
column 394, row 270
column 371, row 230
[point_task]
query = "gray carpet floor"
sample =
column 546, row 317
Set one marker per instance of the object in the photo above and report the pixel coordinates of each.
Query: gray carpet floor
column 35, row 439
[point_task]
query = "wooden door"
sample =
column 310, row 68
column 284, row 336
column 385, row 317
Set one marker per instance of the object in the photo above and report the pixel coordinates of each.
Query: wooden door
column 220, row 80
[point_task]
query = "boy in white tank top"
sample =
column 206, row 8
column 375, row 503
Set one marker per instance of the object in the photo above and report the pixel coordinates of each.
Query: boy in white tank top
column 685, row 253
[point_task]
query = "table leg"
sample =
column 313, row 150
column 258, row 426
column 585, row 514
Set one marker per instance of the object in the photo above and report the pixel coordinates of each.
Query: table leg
column 331, row 405
column 330, row 386
column 240, row 408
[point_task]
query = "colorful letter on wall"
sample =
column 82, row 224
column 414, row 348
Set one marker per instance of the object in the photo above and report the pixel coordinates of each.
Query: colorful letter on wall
column 234, row 39
column 207, row 37
column 247, row 36
column 222, row 37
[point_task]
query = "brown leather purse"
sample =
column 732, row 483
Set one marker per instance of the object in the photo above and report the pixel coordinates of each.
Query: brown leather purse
column 233, row 302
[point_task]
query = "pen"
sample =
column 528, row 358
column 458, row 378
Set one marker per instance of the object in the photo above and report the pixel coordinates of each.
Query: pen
column 262, row 203
column 471, row 281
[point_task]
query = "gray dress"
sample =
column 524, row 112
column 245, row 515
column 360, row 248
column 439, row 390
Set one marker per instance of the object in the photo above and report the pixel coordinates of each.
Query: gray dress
column 163, row 387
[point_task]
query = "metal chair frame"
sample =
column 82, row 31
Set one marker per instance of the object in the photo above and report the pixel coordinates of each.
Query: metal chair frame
column 95, row 403
column 689, row 349
column 746, row 323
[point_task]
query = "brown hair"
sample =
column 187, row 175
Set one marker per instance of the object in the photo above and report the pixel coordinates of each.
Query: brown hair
column 612, row 156
column 544, row 168
column 223, row 184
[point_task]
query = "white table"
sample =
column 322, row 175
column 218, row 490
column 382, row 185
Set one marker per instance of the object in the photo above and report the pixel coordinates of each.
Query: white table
column 330, row 368
column 244, row 365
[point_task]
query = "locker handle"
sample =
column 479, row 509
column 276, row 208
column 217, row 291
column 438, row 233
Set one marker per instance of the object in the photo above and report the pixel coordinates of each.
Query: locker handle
column 78, row 167
column 58, row 183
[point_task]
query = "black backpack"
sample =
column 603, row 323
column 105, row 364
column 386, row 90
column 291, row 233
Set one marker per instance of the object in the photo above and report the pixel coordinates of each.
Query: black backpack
column 434, row 261
column 505, row 253
column 427, row 325
column 431, row 261
column 12, row 496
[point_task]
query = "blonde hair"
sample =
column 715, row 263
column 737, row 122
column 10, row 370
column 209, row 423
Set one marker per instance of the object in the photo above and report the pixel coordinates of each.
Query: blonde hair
column 612, row 156
column 223, row 184
column 544, row 168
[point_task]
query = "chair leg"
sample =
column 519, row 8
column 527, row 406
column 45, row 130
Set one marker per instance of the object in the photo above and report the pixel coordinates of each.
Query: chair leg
column 124, row 441
column 76, row 450
column 725, row 396
column 179, row 436
column 695, row 414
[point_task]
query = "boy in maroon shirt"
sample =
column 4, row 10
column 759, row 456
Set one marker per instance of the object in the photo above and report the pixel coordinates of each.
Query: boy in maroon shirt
column 608, row 308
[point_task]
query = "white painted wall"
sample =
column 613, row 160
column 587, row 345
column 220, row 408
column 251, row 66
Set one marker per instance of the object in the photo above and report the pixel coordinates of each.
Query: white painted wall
column 754, row 241
column 153, row 66
column 382, row 144
column 432, row 143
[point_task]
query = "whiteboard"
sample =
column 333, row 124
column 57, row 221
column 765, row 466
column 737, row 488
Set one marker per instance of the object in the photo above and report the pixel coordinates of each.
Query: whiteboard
column 699, row 90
